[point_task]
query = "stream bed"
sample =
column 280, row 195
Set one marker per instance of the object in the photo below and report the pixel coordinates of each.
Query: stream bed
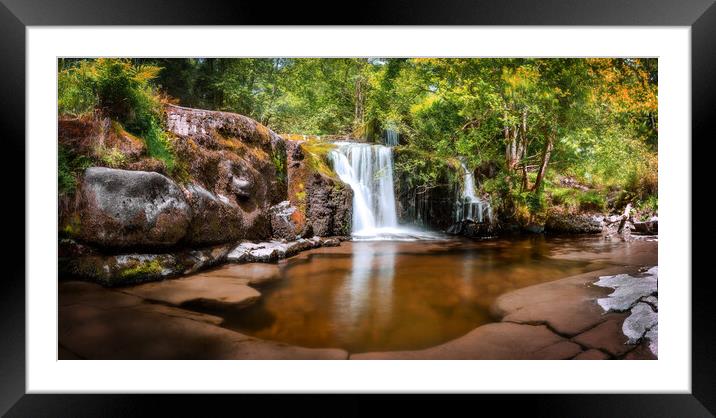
column 390, row 295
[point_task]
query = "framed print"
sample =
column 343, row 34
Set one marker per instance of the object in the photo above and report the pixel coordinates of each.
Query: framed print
column 213, row 206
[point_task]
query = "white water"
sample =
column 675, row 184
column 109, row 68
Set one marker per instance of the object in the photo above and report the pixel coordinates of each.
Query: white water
column 391, row 137
column 368, row 170
column 470, row 206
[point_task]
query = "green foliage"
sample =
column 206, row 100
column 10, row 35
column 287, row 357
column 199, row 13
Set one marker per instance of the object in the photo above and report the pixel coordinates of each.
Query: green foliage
column 159, row 145
column 120, row 89
column 598, row 116
column 278, row 157
column 69, row 167
column 576, row 199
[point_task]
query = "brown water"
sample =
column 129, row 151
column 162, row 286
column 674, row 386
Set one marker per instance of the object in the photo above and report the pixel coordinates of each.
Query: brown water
column 377, row 296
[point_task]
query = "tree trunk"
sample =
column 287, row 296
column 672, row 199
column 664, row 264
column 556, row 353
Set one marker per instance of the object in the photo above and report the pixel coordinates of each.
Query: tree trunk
column 545, row 160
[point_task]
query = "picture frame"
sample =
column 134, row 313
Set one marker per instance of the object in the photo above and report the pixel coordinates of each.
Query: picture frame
column 16, row 15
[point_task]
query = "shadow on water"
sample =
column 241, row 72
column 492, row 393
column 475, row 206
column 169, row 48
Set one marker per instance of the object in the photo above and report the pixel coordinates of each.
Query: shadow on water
column 367, row 296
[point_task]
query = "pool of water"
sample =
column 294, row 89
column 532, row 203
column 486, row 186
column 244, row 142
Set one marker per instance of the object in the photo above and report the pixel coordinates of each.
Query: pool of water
column 386, row 295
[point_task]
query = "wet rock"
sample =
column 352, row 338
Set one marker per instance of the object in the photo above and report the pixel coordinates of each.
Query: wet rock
column 472, row 229
column 215, row 218
column 206, row 292
column 120, row 208
column 637, row 296
column 90, row 328
column 607, row 336
column 534, row 228
column 569, row 223
column 271, row 252
column 566, row 305
column 250, row 273
column 591, row 354
column 496, row 341
column 125, row 269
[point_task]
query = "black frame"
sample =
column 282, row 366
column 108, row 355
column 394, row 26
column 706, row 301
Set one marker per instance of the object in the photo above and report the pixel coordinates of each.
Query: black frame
column 15, row 15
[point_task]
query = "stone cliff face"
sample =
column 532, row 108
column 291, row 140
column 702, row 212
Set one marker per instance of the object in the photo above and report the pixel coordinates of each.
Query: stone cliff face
column 323, row 203
column 230, row 184
column 426, row 189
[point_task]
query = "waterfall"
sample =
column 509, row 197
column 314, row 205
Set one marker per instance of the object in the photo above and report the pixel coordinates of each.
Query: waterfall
column 368, row 170
column 391, row 137
column 470, row 207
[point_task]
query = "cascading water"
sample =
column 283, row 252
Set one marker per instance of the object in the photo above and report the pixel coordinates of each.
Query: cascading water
column 368, row 170
column 392, row 137
column 470, row 207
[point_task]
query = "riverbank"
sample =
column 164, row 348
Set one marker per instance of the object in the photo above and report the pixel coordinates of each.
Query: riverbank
column 175, row 319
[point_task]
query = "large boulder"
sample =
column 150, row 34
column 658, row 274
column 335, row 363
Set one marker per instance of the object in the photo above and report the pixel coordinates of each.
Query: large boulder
column 235, row 159
column 215, row 218
column 125, row 269
column 120, row 208
column 559, row 222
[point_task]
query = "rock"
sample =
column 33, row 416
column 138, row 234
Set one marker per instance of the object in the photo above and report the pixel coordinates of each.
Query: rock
column 125, row 269
column 241, row 187
column 216, row 293
column 236, row 159
column 627, row 290
column 635, row 295
column 534, row 228
column 652, row 336
column 254, row 274
column 496, row 341
column 120, row 208
column 472, row 229
column 215, row 218
column 90, row 328
column 591, row 354
column 271, row 252
column 646, row 228
column 324, row 204
column 641, row 352
column 90, row 136
column 607, row 336
column 566, row 305
column 567, row 223
column 282, row 226
column 642, row 318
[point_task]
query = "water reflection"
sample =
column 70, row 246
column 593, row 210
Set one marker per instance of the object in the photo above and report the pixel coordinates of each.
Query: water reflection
column 365, row 296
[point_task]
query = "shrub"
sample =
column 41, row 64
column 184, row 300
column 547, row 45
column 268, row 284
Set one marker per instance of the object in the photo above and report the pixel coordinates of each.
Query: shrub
column 591, row 200
column 69, row 166
column 121, row 90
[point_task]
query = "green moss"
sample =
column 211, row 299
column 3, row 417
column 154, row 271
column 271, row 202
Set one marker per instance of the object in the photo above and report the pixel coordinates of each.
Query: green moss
column 316, row 153
column 142, row 269
column 278, row 157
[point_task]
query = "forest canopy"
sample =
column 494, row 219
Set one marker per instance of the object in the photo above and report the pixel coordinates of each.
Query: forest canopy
column 594, row 120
